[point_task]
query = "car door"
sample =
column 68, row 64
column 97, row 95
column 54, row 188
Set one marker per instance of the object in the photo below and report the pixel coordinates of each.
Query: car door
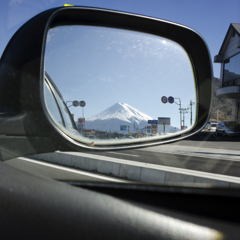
column 220, row 128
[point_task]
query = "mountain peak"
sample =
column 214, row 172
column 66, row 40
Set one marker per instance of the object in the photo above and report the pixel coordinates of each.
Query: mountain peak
column 116, row 115
column 121, row 111
column 120, row 114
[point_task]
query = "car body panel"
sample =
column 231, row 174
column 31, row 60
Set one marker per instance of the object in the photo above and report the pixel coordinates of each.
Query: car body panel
column 223, row 129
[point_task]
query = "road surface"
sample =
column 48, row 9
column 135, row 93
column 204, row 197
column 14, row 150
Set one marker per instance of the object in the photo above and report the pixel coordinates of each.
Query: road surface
column 220, row 157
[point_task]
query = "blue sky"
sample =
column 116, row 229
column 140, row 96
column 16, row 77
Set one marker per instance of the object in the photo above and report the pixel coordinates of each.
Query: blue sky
column 103, row 66
column 211, row 18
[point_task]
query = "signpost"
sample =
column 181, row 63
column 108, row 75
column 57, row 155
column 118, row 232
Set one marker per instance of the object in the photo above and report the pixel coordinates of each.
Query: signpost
column 152, row 121
column 123, row 127
column 164, row 99
column 154, row 128
column 180, row 111
column 75, row 103
column 81, row 120
column 163, row 121
column 184, row 110
column 191, row 103
column 82, row 104
column 171, row 99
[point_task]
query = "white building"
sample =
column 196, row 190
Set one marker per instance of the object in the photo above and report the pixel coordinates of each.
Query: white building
column 229, row 57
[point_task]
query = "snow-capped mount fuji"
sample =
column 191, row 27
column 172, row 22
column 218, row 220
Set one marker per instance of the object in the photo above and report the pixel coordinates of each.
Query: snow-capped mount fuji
column 118, row 114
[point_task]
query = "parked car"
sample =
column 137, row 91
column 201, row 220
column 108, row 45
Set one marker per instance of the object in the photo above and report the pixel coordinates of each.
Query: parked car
column 207, row 125
column 228, row 128
column 212, row 127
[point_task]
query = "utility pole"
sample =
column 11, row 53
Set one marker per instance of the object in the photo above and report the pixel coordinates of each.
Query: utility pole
column 82, row 104
column 217, row 114
column 191, row 103
column 180, row 111
column 184, row 110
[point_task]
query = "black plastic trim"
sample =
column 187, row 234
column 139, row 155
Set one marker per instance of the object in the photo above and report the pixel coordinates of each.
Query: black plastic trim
column 22, row 72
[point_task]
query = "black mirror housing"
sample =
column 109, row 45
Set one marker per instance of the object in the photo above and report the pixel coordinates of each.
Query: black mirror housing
column 24, row 120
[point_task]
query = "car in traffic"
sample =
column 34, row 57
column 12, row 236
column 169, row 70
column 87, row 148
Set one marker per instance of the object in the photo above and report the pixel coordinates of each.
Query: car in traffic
column 228, row 128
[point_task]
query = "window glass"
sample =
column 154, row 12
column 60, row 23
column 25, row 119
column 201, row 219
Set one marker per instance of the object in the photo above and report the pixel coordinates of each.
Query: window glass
column 66, row 115
column 232, row 71
column 52, row 105
column 231, row 124
column 238, row 112
column 122, row 76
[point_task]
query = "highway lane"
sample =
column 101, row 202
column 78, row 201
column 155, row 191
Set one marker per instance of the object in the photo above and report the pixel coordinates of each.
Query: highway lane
column 219, row 142
column 220, row 157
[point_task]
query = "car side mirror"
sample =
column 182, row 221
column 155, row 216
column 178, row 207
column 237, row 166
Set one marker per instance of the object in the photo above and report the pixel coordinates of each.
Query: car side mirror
column 144, row 81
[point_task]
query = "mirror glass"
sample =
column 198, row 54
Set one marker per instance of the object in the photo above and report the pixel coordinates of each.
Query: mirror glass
column 112, row 86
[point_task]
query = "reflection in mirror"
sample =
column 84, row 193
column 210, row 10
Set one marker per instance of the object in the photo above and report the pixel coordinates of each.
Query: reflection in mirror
column 112, row 86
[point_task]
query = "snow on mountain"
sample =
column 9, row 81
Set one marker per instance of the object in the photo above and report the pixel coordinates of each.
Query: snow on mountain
column 116, row 115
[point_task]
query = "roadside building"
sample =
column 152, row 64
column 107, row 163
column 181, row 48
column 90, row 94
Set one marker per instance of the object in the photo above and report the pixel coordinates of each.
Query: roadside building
column 229, row 57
